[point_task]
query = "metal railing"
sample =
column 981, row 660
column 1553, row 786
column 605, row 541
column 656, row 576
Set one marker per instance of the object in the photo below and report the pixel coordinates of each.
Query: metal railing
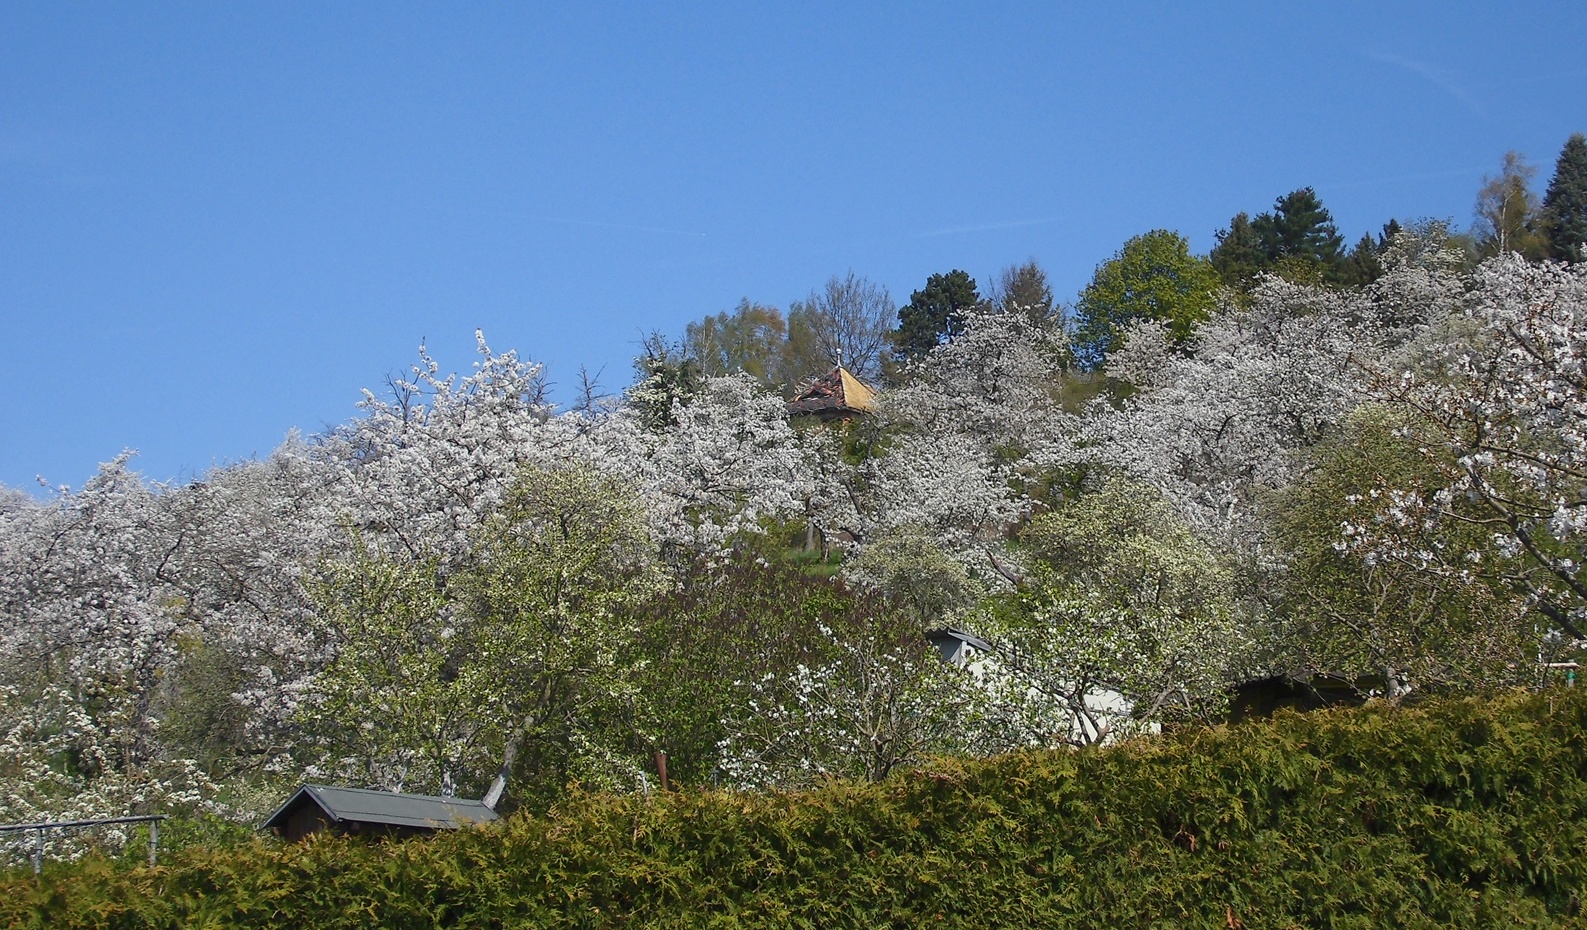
column 153, row 820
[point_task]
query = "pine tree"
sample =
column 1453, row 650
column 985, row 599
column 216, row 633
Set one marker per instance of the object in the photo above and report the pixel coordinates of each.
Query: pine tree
column 1565, row 204
column 934, row 313
column 1363, row 265
column 1239, row 256
column 1301, row 228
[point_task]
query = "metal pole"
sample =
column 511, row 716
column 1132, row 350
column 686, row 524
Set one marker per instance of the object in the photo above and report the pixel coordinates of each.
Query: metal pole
column 154, row 840
column 38, row 854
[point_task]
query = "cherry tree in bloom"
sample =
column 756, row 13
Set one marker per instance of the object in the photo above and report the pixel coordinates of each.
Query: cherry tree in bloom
column 955, row 438
column 996, row 381
column 93, row 608
column 1217, row 426
column 1498, row 394
column 423, row 467
column 725, row 464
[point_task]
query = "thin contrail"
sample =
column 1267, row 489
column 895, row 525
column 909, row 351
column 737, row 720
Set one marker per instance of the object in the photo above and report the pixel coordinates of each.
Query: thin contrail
column 1439, row 78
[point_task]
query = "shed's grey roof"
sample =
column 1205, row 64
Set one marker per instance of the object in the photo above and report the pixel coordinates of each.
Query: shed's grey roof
column 964, row 636
column 386, row 807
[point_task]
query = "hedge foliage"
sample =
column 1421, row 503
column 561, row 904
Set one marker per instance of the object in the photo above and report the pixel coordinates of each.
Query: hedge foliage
column 1456, row 814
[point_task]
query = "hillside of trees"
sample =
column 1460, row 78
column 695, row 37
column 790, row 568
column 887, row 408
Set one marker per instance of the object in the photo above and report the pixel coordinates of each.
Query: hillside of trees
column 1283, row 458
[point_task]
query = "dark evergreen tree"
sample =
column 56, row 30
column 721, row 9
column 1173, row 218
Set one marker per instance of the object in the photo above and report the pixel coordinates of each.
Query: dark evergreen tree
column 1239, row 256
column 1565, row 204
column 934, row 313
column 663, row 375
column 1300, row 229
column 1364, row 263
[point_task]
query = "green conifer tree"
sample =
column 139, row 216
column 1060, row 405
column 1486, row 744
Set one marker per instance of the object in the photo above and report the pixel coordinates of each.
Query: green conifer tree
column 934, row 313
column 1300, row 228
column 1565, row 204
column 1239, row 256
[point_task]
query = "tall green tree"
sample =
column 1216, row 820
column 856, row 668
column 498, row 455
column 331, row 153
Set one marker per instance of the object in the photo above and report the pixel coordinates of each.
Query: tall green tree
column 1300, row 230
column 559, row 567
column 1354, row 614
column 511, row 664
column 750, row 339
column 1363, row 264
column 1024, row 289
column 1297, row 240
column 1565, row 204
column 934, row 313
column 1153, row 277
column 1507, row 211
column 1238, row 255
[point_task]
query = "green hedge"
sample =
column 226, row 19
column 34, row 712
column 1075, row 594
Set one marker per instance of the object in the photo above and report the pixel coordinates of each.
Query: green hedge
column 1455, row 814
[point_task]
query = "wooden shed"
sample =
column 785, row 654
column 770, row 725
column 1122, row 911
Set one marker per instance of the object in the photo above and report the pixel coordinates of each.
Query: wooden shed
column 358, row 811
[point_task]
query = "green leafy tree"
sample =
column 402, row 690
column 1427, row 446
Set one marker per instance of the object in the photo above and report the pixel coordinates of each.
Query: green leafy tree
column 558, row 567
column 1122, row 599
column 876, row 696
column 1565, row 204
column 750, row 339
column 400, row 704
column 511, row 663
column 914, row 576
column 1153, row 277
column 934, row 313
column 729, row 621
column 1507, row 211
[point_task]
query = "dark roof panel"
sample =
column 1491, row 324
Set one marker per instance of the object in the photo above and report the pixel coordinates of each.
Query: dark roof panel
column 360, row 805
column 947, row 633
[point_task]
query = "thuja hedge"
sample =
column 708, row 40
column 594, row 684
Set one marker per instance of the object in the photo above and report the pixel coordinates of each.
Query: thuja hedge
column 1458, row 814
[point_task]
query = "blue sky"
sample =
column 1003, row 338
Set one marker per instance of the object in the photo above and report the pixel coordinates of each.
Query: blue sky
column 218, row 222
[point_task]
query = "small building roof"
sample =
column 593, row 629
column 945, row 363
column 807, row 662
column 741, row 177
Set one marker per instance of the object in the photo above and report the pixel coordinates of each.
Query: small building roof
column 836, row 392
column 954, row 635
column 389, row 808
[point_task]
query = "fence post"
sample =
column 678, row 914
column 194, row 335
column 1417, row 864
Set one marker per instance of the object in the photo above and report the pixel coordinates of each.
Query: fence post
column 154, row 841
column 38, row 854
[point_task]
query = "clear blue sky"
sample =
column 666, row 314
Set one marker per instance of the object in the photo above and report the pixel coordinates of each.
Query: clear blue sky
column 220, row 221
